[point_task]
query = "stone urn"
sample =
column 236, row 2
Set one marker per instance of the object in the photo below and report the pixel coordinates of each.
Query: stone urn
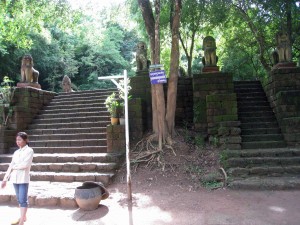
column 89, row 195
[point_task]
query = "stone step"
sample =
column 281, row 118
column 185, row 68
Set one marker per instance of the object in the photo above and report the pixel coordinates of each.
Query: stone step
column 77, row 102
column 89, row 93
column 68, row 143
column 248, row 89
column 270, row 152
column 251, row 94
column 71, row 157
column 247, row 83
column 70, row 149
column 255, row 114
column 78, row 136
column 254, row 108
column 286, row 182
column 98, row 98
column 247, row 103
column 263, row 144
column 74, row 167
column 44, row 194
column 263, row 171
column 73, row 114
column 61, row 111
column 68, row 125
column 250, row 98
column 69, row 176
column 262, row 137
column 75, row 106
column 67, row 131
column 261, row 131
column 249, row 162
column 261, row 119
column 259, row 125
column 72, row 120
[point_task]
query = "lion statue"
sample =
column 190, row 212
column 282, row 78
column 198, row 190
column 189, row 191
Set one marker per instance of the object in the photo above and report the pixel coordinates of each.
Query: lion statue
column 28, row 73
column 141, row 57
column 284, row 48
column 66, row 84
column 209, row 47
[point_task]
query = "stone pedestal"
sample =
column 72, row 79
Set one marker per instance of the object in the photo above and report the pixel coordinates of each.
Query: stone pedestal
column 34, row 85
column 210, row 69
column 142, row 73
column 284, row 65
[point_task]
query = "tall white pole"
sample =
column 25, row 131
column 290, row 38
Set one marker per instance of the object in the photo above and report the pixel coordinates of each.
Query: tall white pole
column 129, row 191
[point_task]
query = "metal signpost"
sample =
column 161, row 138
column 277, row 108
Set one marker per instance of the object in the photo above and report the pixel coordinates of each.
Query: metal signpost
column 125, row 90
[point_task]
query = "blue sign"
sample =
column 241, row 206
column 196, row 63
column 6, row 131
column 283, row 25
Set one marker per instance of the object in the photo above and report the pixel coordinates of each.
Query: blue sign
column 158, row 77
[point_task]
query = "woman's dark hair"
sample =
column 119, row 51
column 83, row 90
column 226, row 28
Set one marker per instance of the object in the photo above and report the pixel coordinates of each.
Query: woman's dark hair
column 23, row 135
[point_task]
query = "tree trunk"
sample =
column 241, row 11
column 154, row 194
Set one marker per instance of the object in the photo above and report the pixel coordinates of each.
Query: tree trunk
column 174, row 68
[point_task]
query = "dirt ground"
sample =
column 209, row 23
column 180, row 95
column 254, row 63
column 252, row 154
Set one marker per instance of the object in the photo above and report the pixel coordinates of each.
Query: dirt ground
column 169, row 188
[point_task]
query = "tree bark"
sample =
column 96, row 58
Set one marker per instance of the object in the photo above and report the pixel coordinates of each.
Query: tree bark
column 148, row 17
column 174, row 67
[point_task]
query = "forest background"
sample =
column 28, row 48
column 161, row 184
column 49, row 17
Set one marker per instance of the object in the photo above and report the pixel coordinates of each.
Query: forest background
column 88, row 41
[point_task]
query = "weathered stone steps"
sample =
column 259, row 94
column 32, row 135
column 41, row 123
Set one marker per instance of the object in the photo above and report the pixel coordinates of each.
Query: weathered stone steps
column 263, row 144
column 65, row 157
column 276, row 152
column 75, row 106
column 271, row 170
column 257, row 131
column 69, row 176
column 61, row 111
column 260, row 137
column 78, row 136
column 71, row 119
column 72, row 114
column 68, row 131
column 68, row 167
column 248, row 162
column 68, row 125
column 68, row 142
column 71, row 149
column 259, row 125
column 287, row 182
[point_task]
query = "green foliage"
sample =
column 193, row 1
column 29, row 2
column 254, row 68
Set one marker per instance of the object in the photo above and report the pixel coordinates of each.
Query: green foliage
column 6, row 95
column 113, row 105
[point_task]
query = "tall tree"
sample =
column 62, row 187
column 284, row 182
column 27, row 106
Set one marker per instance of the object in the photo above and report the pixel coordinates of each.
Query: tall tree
column 174, row 67
column 163, row 120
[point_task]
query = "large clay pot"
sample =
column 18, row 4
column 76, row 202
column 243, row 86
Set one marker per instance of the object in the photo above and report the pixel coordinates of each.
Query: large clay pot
column 88, row 196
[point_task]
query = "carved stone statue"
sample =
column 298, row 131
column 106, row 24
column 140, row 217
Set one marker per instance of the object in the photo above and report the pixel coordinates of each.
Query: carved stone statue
column 209, row 47
column 28, row 73
column 141, row 57
column 66, row 84
column 284, row 48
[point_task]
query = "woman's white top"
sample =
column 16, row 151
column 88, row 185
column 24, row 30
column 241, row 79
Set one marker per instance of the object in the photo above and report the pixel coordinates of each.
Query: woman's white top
column 19, row 167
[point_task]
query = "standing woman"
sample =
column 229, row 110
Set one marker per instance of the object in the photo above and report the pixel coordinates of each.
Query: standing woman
column 18, row 173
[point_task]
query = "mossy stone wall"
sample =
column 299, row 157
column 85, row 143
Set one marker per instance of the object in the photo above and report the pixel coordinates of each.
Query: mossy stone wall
column 283, row 92
column 26, row 103
column 208, row 84
column 115, row 135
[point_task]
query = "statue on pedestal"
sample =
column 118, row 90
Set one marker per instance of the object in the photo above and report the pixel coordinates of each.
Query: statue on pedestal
column 282, row 56
column 141, row 57
column 284, row 47
column 210, row 58
column 29, row 75
column 66, row 84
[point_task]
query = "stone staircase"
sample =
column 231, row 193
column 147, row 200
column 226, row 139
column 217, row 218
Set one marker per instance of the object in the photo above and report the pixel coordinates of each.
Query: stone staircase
column 69, row 140
column 264, row 161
